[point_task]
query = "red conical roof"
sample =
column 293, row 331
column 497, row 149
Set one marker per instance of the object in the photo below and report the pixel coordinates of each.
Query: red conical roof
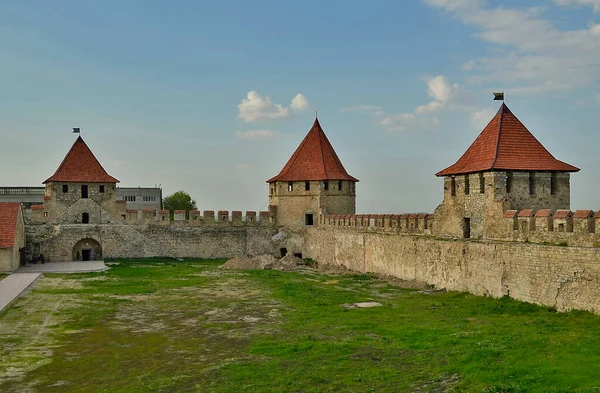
column 314, row 159
column 80, row 165
column 506, row 144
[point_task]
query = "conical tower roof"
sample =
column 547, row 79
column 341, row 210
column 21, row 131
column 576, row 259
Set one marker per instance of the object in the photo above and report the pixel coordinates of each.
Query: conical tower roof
column 506, row 144
column 80, row 165
column 314, row 159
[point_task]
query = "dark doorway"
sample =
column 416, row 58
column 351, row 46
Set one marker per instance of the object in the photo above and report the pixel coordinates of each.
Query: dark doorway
column 85, row 218
column 87, row 250
column 298, row 255
column 308, row 219
column 86, row 255
column 283, row 251
column 84, row 191
column 467, row 228
column 22, row 256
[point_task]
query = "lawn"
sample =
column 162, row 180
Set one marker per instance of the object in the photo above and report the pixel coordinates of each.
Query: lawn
column 168, row 326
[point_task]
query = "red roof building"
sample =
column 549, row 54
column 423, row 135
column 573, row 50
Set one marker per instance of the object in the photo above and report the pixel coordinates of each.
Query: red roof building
column 12, row 235
column 506, row 144
column 81, row 166
column 314, row 159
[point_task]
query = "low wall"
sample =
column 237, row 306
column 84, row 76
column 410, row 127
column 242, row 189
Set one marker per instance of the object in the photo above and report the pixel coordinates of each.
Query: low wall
column 562, row 277
column 56, row 242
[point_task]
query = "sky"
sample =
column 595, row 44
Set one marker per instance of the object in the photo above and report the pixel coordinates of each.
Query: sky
column 213, row 97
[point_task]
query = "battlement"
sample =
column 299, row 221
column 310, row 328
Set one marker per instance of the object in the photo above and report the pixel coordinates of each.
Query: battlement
column 196, row 218
column 413, row 223
column 580, row 228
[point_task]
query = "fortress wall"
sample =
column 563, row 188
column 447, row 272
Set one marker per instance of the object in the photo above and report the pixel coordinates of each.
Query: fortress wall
column 56, row 242
column 562, row 277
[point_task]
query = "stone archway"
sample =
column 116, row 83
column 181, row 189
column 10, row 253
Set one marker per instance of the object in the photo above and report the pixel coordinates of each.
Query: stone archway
column 87, row 250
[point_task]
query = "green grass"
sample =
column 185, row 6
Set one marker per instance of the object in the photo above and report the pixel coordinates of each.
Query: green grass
column 168, row 326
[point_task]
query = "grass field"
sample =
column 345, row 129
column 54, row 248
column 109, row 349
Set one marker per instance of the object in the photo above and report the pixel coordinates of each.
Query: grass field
column 167, row 326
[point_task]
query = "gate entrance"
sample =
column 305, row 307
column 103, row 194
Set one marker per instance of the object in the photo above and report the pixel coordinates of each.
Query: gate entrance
column 87, row 250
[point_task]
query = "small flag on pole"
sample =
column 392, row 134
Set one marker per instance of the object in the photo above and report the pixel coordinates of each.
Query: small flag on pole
column 75, row 130
column 499, row 96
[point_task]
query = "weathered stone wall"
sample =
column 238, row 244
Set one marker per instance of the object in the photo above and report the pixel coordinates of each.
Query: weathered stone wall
column 563, row 277
column 57, row 242
column 289, row 207
column 6, row 260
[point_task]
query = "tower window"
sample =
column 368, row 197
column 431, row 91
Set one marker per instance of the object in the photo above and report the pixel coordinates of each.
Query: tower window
column 65, row 188
column 84, row 191
column 101, row 188
column 326, row 185
column 481, row 183
column 531, row 183
column 453, row 186
column 85, row 218
column 553, row 183
column 308, row 219
column 509, row 179
column 340, row 185
column 307, row 186
column 467, row 185
column 290, row 186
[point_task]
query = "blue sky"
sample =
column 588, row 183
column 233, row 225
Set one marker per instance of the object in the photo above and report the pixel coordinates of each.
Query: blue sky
column 213, row 97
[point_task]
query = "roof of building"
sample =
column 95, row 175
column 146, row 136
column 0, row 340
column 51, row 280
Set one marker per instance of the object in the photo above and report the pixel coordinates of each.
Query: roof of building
column 80, row 165
column 9, row 216
column 506, row 144
column 314, row 159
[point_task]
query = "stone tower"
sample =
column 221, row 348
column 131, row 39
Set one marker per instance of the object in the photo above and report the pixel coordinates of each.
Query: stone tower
column 505, row 168
column 312, row 183
column 80, row 190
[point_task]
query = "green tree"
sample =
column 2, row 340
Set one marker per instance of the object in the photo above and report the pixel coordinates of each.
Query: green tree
column 179, row 200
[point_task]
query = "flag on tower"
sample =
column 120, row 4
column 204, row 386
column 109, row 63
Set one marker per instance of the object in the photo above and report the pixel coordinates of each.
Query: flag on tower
column 499, row 96
column 75, row 130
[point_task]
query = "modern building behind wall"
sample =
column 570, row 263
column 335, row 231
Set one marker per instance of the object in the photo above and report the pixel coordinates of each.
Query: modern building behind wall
column 140, row 198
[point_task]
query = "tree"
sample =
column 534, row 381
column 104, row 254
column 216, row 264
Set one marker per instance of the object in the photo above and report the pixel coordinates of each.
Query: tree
column 179, row 200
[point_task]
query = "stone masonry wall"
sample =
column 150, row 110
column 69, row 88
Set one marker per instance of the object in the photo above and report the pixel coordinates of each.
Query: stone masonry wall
column 562, row 277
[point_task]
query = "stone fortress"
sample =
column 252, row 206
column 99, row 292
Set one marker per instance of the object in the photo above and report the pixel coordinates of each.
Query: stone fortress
column 504, row 226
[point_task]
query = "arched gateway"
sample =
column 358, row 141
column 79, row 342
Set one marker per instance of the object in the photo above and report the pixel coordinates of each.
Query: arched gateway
column 87, row 250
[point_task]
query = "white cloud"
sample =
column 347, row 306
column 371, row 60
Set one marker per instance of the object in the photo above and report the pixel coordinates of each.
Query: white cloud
column 594, row 3
column 481, row 118
column 532, row 55
column 242, row 167
column 256, row 134
column 255, row 108
column 444, row 94
column 468, row 66
column 299, row 103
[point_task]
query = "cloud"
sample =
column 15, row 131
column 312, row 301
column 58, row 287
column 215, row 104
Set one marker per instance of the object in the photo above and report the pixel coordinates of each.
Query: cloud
column 242, row 167
column 594, row 3
column 444, row 94
column 531, row 55
column 256, row 134
column 480, row 118
column 299, row 103
column 255, row 108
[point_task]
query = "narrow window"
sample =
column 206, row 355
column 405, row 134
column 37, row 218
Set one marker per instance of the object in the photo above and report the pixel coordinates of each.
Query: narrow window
column 553, row 183
column 531, row 183
column 65, row 188
column 290, row 187
column 467, row 228
column 101, row 188
column 453, row 186
column 340, row 185
column 84, row 191
column 326, row 185
column 307, row 185
column 123, row 217
column 85, row 218
column 45, row 214
column 509, row 179
column 308, row 219
column 481, row 183
column 467, row 185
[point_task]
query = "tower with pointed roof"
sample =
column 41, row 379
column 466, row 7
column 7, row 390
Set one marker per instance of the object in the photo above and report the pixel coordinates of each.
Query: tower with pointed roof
column 505, row 168
column 80, row 191
column 312, row 183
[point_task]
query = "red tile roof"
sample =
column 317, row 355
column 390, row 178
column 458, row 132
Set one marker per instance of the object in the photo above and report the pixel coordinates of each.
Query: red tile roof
column 9, row 215
column 583, row 214
column 314, row 159
column 562, row 214
column 544, row 213
column 506, row 144
column 526, row 213
column 510, row 214
column 80, row 165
